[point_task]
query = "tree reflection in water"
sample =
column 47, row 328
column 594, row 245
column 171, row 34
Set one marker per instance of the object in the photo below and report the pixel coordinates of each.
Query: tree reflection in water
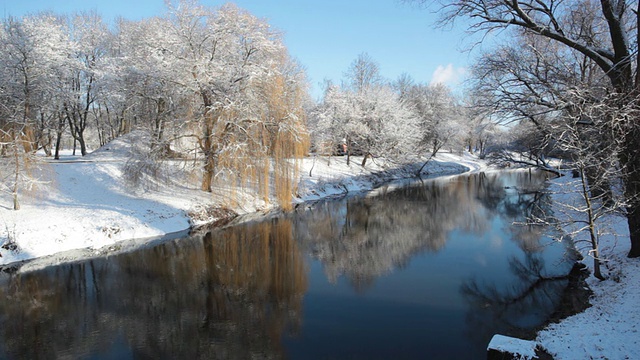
column 519, row 307
column 239, row 292
column 363, row 239
column 228, row 294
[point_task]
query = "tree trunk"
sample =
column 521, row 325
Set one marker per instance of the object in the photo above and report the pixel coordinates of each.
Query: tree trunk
column 58, row 141
column 631, row 159
column 348, row 151
column 207, row 144
column 364, row 160
column 419, row 172
column 207, row 177
column 593, row 236
column 633, row 218
column 83, row 145
column 59, row 131
column 209, row 161
column 16, row 184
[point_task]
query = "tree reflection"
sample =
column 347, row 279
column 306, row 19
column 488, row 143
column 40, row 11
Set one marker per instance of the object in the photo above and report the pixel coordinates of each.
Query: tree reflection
column 523, row 304
column 227, row 294
column 363, row 239
column 235, row 293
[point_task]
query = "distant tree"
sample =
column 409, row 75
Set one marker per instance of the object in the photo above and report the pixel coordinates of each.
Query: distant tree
column 144, row 93
column 402, row 85
column 481, row 130
column 328, row 120
column 363, row 72
column 369, row 115
column 383, row 126
column 439, row 117
column 361, row 77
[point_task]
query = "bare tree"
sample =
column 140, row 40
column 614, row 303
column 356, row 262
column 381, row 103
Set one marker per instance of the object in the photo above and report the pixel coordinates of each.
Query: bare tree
column 363, row 72
column 601, row 32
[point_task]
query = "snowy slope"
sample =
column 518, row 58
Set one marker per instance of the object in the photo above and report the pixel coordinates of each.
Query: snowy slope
column 609, row 329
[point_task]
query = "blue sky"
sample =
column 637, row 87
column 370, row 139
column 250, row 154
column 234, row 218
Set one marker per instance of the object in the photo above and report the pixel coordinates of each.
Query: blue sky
column 325, row 36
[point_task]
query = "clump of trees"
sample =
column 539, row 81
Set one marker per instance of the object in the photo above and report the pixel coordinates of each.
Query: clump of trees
column 398, row 120
column 214, row 83
column 213, row 87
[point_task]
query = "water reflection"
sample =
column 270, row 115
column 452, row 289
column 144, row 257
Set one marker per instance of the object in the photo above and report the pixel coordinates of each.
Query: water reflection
column 230, row 294
column 517, row 308
column 363, row 239
column 431, row 270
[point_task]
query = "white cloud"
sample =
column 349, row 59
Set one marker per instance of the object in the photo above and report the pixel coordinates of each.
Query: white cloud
column 448, row 75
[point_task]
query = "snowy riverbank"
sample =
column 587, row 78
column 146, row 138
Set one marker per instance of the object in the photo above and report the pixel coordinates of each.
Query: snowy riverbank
column 609, row 328
column 87, row 206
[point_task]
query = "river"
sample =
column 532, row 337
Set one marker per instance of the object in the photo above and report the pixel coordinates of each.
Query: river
column 430, row 270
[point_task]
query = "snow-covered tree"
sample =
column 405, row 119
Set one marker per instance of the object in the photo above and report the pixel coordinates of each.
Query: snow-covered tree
column 368, row 115
column 33, row 57
column 143, row 92
column 93, row 39
column 328, row 120
column 441, row 120
column 219, row 77
column 240, row 94
column 381, row 125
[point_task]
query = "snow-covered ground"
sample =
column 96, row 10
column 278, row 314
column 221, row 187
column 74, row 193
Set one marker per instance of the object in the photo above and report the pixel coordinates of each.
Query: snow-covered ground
column 610, row 328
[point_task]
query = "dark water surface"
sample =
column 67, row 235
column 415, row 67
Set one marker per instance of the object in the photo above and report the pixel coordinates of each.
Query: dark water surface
column 430, row 271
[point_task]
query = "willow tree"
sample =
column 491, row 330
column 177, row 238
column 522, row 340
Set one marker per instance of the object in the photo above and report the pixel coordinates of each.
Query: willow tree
column 245, row 94
column 282, row 125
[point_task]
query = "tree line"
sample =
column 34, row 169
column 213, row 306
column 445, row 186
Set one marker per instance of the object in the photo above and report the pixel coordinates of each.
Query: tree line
column 212, row 84
column 400, row 120
column 218, row 85
column 217, row 81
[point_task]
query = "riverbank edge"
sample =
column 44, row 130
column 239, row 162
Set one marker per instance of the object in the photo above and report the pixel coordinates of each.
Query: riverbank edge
column 373, row 183
column 575, row 300
column 576, row 297
column 365, row 184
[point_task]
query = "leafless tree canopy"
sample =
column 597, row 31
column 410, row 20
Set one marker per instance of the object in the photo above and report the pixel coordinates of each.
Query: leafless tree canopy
column 561, row 48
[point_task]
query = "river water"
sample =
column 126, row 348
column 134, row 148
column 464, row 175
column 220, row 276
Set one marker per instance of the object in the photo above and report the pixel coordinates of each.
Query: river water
column 428, row 271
